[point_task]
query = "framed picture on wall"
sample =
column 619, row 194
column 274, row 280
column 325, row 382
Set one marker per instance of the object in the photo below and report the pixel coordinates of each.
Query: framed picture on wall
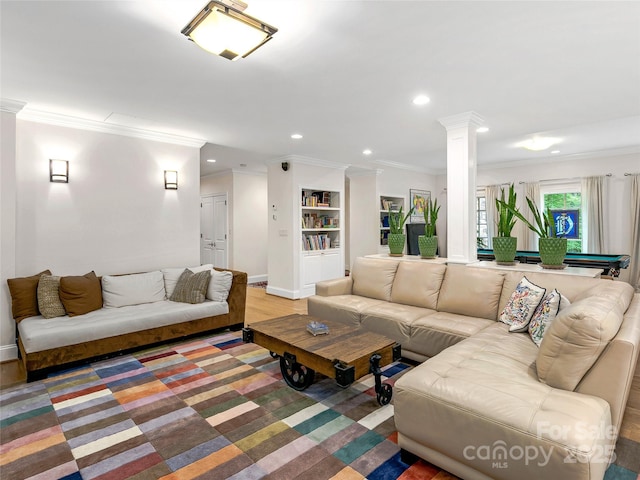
column 418, row 199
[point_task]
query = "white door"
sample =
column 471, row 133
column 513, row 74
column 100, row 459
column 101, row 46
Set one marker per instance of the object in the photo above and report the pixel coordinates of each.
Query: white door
column 213, row 230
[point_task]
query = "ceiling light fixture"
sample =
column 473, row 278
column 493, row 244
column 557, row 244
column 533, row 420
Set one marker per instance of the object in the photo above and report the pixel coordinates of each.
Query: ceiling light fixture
column 555, row 151
column 223, row 28
column 421, row 100
column 211, row 160
column 367, row 152
column 482, row 129
column 296, row 136
column 538, row 144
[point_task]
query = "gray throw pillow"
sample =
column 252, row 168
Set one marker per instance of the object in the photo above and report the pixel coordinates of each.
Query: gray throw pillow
column 191, row 287
column 49, row 302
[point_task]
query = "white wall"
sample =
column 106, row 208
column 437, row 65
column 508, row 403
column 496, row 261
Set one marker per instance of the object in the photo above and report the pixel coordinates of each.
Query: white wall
column 619, row 235
column 250, row 224
column 114, row 215
column 8, row 349
column 363, row 212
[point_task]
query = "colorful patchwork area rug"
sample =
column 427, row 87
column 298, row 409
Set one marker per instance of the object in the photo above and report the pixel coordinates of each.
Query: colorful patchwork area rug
column 210, row 408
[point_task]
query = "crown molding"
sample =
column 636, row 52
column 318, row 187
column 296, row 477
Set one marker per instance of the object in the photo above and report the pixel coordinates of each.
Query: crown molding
column 404, row 166
column 550, row 159
column 253, row 173
column 61, row 120
column 307, row 161
column 11, row 106
column 364, row 173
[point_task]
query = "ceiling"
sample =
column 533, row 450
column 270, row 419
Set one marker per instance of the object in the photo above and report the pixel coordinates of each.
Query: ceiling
column 342, row 73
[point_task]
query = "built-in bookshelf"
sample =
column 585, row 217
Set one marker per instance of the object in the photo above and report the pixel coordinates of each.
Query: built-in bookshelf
column 388, row 202
column 320, row 220
column 320, row 233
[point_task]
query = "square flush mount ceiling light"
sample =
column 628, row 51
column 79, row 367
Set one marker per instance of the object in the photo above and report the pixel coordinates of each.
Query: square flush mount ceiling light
column 225, row 30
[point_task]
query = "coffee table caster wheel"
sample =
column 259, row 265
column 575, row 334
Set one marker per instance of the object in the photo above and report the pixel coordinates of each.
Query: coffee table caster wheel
column 297, row 376
column 274, row 354
column 384, row 394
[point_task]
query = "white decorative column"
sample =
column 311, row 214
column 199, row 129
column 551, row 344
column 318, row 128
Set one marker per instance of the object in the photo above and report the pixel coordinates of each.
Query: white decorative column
column 8, row 111
column 461, row 186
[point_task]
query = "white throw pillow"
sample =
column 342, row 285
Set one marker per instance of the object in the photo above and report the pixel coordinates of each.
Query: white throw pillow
column 171, row 276
column 545, row 314
column 219, row 286
column 521, row 305
column 123, row 290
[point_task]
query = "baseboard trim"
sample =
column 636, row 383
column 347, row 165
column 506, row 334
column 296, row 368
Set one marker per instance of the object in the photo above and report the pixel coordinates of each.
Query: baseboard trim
column 8, row 352
column 281, row 292
column 257, row 278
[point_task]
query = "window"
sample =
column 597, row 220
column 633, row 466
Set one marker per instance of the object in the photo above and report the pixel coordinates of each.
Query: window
column 565, row 199
column 482, row 232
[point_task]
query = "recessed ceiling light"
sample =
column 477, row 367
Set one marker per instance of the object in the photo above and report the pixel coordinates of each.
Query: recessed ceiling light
column 243, row 164
column 211, row 160
column 482, row 129
column 555, row 151
column 296, row 136
column 421, row 100
column 367, row 152
column 538, row 143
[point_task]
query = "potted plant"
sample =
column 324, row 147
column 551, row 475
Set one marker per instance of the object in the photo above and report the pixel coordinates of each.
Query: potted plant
column 552, row 248
column 428, row 243
column 396, row 237
column 504, row 245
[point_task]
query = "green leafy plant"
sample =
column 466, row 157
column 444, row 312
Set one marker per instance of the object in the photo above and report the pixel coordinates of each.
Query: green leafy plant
column 431, row 217
column 543, row 224
column 506, row 215
column 397, row 221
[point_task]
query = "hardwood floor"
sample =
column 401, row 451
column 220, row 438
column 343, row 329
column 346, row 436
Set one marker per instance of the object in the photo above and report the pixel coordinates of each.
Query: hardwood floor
column 261, row 306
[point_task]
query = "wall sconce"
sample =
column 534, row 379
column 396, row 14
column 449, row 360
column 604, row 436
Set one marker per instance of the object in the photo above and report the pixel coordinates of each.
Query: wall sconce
column 170, row 180
column 58, row 171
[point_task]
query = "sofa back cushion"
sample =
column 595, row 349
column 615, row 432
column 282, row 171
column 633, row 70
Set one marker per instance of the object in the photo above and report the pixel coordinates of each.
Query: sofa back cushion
column 571, row 286
column 373, row 277
column 579, row 334
column 81, row 295
column 123, row 290
column 418, row 284
column 471, row 291
column 171, row 276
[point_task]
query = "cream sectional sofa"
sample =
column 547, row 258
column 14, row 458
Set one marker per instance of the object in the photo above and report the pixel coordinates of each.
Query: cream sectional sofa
column 485, row 402
column 136, row 312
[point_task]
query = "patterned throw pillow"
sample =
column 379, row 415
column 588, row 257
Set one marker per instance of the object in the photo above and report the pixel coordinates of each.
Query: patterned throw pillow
column 521, row 305
column 49, row 301
column 191, row 287
column 545, row 314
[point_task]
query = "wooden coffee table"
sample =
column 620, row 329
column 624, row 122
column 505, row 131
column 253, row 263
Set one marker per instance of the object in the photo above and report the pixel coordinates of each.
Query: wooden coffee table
column 345, row 354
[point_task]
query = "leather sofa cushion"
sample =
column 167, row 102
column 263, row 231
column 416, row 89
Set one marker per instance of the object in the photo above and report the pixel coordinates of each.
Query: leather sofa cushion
column 580, row 333
column 486, row 387
column 392, row 320
column 434, row 333
column 24, row 295
column 474, row 292
column 418, row 284
column 373, row 277
column 341, row 308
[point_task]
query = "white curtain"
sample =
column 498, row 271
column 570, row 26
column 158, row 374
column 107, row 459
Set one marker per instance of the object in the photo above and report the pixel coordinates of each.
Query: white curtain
column 634, row 276
column 491, row 193
column 594, row 210
column 530, row 239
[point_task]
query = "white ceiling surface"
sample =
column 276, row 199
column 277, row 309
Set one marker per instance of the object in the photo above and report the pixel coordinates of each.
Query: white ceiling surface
column 342, row 73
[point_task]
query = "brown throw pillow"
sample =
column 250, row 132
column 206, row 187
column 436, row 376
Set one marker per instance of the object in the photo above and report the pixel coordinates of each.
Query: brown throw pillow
column 191, row 287
column 49, row 297
column 81, row 295
column 24, row 296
